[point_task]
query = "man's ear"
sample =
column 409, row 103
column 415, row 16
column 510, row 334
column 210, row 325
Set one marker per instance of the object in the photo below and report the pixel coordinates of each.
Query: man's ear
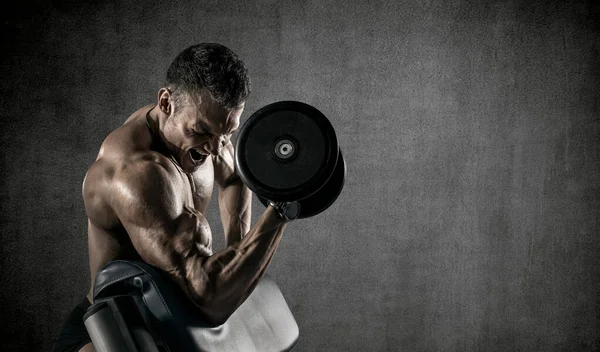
column 165, row 99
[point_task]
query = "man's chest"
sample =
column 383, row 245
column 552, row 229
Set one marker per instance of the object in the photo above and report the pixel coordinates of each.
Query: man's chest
column 197, row 188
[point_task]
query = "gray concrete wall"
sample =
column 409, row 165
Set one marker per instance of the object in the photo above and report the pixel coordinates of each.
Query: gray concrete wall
column 470, row 218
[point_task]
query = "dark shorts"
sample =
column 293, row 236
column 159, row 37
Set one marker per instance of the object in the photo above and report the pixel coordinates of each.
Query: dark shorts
column 73, row 335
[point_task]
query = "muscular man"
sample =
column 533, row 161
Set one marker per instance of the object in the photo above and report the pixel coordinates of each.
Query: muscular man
column 147, row 191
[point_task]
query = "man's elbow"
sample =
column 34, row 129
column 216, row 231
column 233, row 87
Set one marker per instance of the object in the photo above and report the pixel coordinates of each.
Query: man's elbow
column 217, row 313
column 213, row 305
column 217, row 319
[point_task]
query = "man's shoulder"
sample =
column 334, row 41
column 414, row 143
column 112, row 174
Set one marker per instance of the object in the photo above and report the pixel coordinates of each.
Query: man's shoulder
column 141, row 182
column 127, row 153
column 127, row 171
column 134, row 171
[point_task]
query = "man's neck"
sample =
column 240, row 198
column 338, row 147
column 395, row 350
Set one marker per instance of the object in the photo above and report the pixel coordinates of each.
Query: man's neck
column 155, row 121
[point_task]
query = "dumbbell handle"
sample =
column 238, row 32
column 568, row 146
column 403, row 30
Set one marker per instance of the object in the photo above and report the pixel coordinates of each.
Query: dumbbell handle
column 288, row 211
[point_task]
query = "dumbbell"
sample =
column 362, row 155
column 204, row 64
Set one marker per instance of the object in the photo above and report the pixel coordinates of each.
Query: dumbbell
column 288, row 152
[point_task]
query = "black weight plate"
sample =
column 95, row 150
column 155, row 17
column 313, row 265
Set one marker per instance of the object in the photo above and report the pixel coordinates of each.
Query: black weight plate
column 301, row 133
column 323, row 198
column 304, row 133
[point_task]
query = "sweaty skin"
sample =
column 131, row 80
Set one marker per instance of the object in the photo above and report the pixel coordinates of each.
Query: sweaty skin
column 145, row 196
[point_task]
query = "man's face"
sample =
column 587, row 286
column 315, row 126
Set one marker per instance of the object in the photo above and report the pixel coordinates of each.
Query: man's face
column 198, row 130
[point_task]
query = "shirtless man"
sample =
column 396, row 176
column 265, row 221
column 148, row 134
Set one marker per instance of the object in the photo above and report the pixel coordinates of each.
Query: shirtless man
column 153, row 179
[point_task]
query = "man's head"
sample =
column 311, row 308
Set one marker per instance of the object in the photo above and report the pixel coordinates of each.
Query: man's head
column 204, row 95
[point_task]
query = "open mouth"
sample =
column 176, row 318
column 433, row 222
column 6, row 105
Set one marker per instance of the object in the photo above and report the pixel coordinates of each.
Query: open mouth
column 196, row 156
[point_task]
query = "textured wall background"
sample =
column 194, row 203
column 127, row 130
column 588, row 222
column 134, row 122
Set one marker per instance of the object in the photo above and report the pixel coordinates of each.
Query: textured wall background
column 470, row 218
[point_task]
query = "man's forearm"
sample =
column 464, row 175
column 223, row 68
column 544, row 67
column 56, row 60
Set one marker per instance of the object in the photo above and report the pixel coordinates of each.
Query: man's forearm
column 235, row 205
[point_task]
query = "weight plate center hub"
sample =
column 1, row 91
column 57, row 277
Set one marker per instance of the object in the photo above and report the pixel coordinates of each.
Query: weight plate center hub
column 284, row 149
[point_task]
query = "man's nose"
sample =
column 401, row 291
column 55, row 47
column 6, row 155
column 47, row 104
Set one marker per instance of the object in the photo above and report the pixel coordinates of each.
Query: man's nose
column 214, row 145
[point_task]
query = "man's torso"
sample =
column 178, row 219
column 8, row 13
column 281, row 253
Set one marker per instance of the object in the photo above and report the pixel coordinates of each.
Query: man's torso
column 131, row 143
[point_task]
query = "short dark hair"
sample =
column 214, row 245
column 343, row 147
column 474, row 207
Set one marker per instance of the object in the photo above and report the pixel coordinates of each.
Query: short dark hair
column 213, row 67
